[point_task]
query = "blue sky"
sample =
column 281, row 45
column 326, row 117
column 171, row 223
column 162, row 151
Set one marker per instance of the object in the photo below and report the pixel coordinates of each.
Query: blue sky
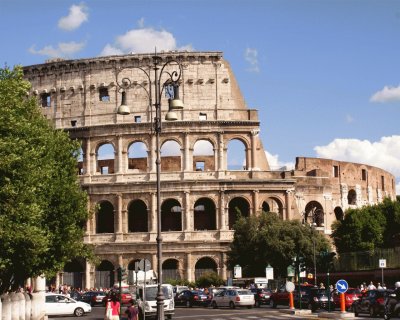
column 324, row 75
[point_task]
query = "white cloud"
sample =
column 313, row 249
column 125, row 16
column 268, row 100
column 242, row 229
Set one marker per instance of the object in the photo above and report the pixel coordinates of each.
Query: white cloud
column 384, row 154
column 203, row 148
column 144, row 40
column 77, row 15
column 251, row 56
column 388, row 93
column 64, row 49
column 275, row 164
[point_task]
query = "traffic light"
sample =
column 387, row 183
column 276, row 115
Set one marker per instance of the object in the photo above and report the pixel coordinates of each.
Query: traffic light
column 302, row 264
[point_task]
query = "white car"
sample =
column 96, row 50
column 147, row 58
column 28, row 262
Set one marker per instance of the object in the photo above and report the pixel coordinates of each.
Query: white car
column 233, row 298
column 59, row 304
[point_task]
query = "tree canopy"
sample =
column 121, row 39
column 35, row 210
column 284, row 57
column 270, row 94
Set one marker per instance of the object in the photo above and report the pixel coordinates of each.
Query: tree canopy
column 267, row 239
column 369, row 227
column 43, row 210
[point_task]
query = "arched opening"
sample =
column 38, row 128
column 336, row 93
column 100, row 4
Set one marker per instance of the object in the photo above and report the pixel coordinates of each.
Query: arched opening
column 73, row 274
column 204, row 214
column 352, row 197
column 236, row 155
column 137, row 157
column 171, row 215
column 80, row 162
column 203, row 156
column 105, row 218
column 265, row 207
column 170, row 156
column 104, row 277
column 274, row 205
column 170, row 269
column 339, row 213
column 238, row 206
column 131, row 271
column 137, row 217
column 314, row 214
column 204, row 265
column 105, row 158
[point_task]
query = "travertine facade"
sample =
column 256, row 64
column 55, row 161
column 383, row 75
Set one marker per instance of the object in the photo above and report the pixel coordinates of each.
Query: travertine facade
column 199, row 190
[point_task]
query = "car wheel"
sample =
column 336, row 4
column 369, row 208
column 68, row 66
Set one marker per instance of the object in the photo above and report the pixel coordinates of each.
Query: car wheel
column 232, row 305
column 371, row 312
column 214, row 305
column 79, row 312
column 272, row 303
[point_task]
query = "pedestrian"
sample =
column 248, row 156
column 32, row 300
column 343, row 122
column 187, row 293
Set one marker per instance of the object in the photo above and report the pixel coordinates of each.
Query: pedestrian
column 371, row 286
column 321, row 286
column 392, row 300
column 132, row 312
column 112, row 308
column 379, row 287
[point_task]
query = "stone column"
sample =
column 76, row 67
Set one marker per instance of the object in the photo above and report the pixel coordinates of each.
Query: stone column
column 221, row 162
column 254, row 164
column 288, row 204
column 88, row 280
column 255, row 201
column 88, row 168
column 223, row 223
column 189, row 268
column 153, row 213
column 119, row 153
column 119, row 235
column 93, row 163
column 186, row 153
column 223, row 266
column 153, row 154
column 187, row 217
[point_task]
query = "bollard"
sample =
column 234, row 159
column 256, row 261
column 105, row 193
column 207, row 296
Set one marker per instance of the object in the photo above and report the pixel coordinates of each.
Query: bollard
column 342, row 303
column 21, row 302
column 28, row 306
column 291, row 302
column 6, row 307
column 14, row 306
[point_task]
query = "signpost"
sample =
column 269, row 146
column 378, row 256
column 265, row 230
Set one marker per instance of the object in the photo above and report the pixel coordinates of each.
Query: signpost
column 382, row 265
column 269, row 273
column 289, row 287
column 237, row 271
column 341, row 287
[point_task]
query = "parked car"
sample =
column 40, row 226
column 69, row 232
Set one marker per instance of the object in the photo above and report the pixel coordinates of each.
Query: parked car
column 233, row 298
column 178, row 289
column 261, row 296
column 371, row 302
column 313, row 298
column 190, row 298
column 281, row 296
column 59, row 304
column 93, row 297
column 125, row 298
column 351, row 295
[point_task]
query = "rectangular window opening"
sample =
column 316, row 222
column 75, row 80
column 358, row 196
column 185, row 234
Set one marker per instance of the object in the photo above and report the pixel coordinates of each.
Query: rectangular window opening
column 200, row 165
column 46, row 100
column 138, row 119
column 202, row 116
column 383, row 183
column 103, row 95
column 104, row 170
column 336, row 171
column 364, row 175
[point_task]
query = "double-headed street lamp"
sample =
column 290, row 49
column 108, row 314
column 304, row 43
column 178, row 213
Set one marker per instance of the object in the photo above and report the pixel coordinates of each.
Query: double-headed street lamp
column 171, row 86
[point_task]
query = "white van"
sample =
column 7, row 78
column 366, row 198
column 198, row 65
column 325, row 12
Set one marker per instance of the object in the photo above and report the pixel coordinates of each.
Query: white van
column 147, row 302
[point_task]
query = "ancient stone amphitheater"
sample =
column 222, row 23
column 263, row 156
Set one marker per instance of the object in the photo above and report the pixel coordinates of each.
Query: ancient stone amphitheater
column 212, row 163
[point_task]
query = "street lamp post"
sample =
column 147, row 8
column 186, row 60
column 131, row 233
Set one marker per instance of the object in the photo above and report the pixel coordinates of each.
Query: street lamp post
column 315, row 259
column 172, row 83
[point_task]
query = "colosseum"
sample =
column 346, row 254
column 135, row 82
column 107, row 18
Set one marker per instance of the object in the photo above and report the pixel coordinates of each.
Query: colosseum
column 202, row 183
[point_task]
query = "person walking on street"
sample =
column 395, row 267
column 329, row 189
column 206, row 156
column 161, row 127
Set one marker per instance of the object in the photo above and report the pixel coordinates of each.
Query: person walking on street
column 132, row 311
column 113, row 308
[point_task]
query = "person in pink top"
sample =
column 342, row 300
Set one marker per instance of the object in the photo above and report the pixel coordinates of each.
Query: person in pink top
column 114, row 305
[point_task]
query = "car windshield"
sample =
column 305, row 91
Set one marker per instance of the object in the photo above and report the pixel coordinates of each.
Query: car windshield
column 151, row 293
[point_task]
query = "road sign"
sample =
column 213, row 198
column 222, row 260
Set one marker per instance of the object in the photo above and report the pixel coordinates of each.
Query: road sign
column 237, row 271
column 342, row 286
column 144, row 265
column 382, row 263
column 289, row 286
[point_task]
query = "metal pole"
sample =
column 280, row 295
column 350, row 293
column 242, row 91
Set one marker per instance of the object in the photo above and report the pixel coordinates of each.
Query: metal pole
column 315, row 263
column 160, row 296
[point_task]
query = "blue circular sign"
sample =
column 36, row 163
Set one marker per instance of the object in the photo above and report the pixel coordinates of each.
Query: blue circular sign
column 342, row 286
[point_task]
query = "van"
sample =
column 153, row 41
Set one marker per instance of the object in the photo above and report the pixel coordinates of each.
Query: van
column 147, row 302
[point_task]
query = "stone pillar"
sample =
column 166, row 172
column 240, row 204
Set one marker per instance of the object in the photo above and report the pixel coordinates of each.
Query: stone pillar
column 120, row 158
column 153, row 154
column 153, row 213
column 223, row 266
column 154, row 264
column 221, row 163
column 187, row 217
column 223, row 223
column 255, row 202
column 6, row 307
column 88, row 280
column 87, row 168
column 186, row 153
column 254, row 164
column 119, row 235
column 288, row 203
column 93, row 163
column 189, row 268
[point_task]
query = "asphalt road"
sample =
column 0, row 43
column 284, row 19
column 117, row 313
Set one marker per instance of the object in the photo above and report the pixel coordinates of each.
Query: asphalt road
column 199, row 313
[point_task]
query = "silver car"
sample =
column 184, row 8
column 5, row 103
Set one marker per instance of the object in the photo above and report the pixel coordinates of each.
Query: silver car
column 233, row 298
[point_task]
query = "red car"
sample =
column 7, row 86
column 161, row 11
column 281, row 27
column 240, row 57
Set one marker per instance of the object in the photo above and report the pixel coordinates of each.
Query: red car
column 351, row 295
column 281, row 296
column 125, row 298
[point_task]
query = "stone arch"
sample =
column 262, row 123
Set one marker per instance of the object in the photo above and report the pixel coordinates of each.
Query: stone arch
column 171, row 215
column 238, row 206
column 105, row 277
column 204, row 214
column 105, row 158
column 339, row 213
column 170, row 269
column 203, row 265
column 137, row 216
column 73, row 273
column 274, row 204
column 352, row 197
column 314, row 213
column 203, row 155
column 138, row 156
column 105, row 218
column 237, row 154
column 171, row 156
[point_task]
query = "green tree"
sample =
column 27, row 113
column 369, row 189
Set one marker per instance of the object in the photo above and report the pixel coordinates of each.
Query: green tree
column 208, row 279
column 267, row 239
column 42, row 207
